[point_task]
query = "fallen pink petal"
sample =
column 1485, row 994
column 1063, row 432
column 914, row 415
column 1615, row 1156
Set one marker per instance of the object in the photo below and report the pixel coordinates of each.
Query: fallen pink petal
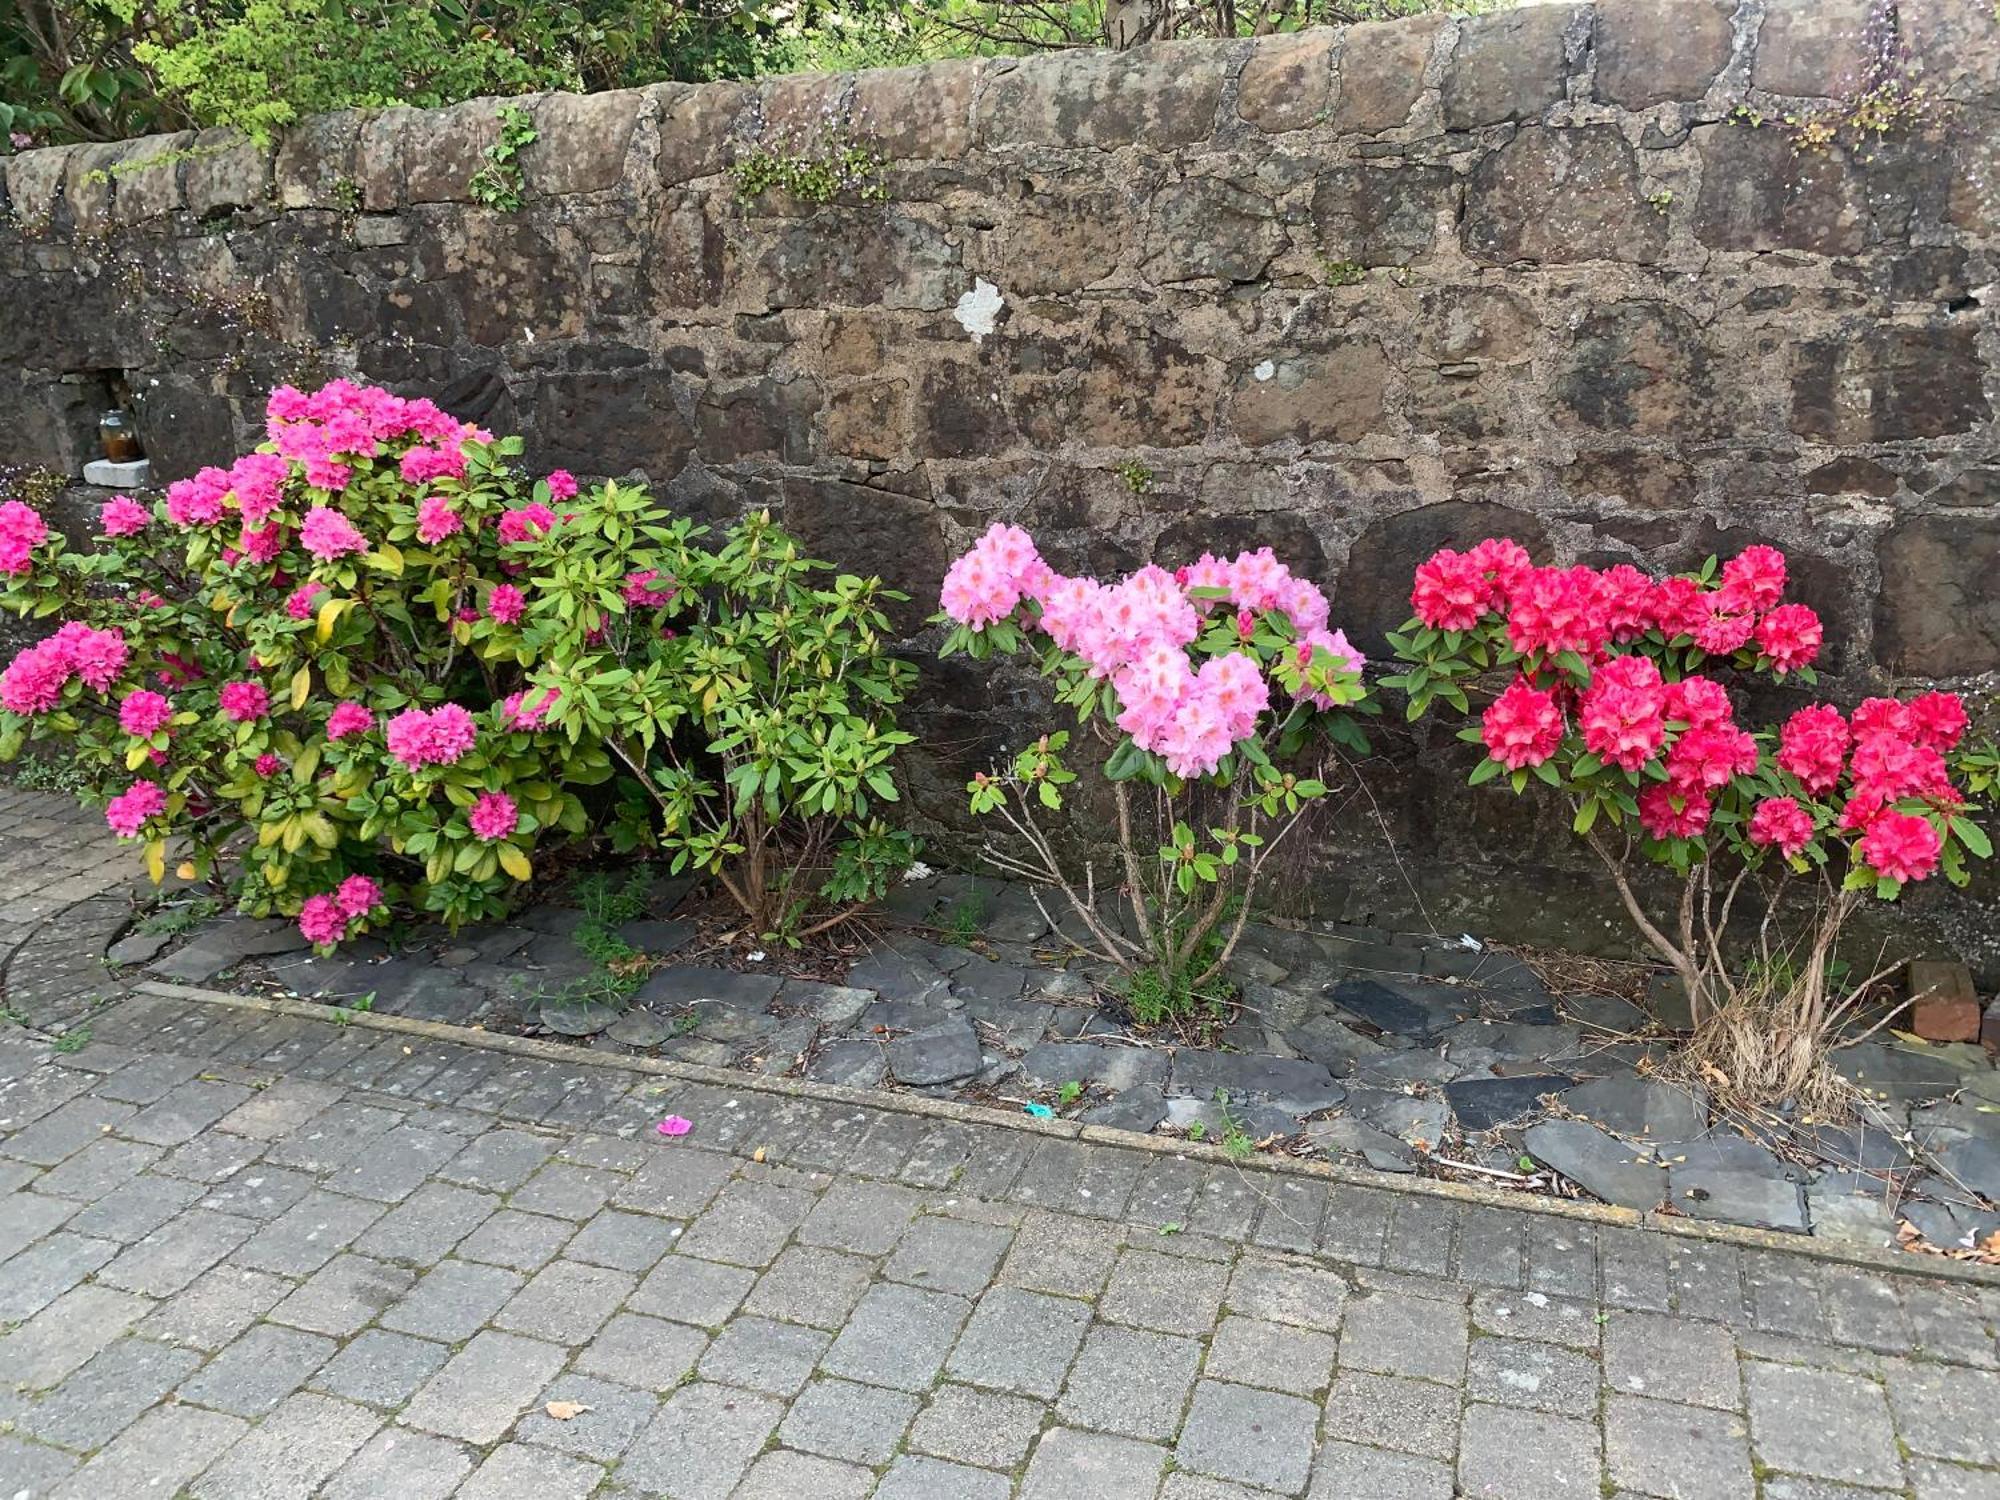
column 675, row 1125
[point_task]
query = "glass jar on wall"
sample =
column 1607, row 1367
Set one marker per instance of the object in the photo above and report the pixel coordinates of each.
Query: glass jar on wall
column 118, row 435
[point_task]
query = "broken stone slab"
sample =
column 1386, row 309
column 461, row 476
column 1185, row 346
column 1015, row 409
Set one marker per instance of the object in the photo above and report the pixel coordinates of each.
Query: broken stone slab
column 1863, row 1148
column 1013, row 917
column 1247, row 966
column 137, row 947
column 434, row 994
column 854, row 1064
column 578, row 1017
column 551, row 920
column 639, row 1028
column 1116, row 1069
column 900, row 976
column 1257, row 1120
column 1950, row 1226
column 1520, row 1040
column 698, row 1050
column 1748, row 1198
column 1975, row 1163
column 1416, row 1009
column 1278, row 1006
column 227, row 943
column 778, row 1053
column 1413, row 1119
column 1333, row 1046
column 943, row 1053
column 1611, row 1013
column 1725, row 1151
column 1298, row 1088
column 1602, row 1165
column 1639, row 1107
column 1667, row 999
column 656, row 936
column 900, row 1015
column 683, row 985
column 1137, row 1109
column 1393, row 1069
column 1389, row 960
column 835, row 1005
column 1895, row 1073
column 1501, row 973
column 1487, row 1103
column 1350, row 1137
column 732, row 1025
column 1851, row 1208
column 1017, row 1023
column 986, row 980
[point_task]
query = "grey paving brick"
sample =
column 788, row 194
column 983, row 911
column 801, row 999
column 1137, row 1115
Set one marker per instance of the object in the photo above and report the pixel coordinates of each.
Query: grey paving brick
column 760, row 1355
column 1536, row 1315
column 948, row 1255
column 452, row 1300
column 33, row 1279
column 979, row 1428
column 1394, row 1335
column 1249, row 1351
column 1706, row 1280
column 1491, row 1247
column 1166, row 1293
column 1508, row 1454
column 643, row 1352
column 819, row 1287
column 700, row 1444
column 407, row 1465
column 1673, row 1359
column 280, row 1109
column 28, row 1217
column 1822, row 1423
column 146, row 1079
column 290, row 1453
column 1633, row 1266
column 1020, row 1341
column 839, row 1419
column 211, row 1158
column 1290, row 1220
column 519, row 1241
column 784, row 1476
column 1931, row 1401
column 98, row 1168
column 1562, row 1259
column 176, row 1253
column 183, row 1112
column 500, row 1160
column 1251, row 1436
column 1347, row 1471
column 345, row 1295
column 380, row 1368
column 1287, row 1292
column 396, row 1164
column 1950, row 1324
column 747, row 1224
column 898, row 1337
column 1382, row 1411
column 135, row 1209
column 566, row 1303
column 674, row 1183
column 1517, row 1372
column 1931, row 1479
column 215, row 1307
column 691, row 1290
column 1165, row 1192
column 64, row 1130
column 612, row 1416
column 862, row 1217
column 1068, row 1462
column 623, row 1241
column 566, row 1191
column 259, row 1191
column 108, row 1394
column 308, row 1235
column 258, row 1370
column 915, row 1478
column 1131, row 1382
column 334, row 1137
column 1054, row 1253
column 1659, row 1448
column 157, row 1454
column 30, row 1469
column 424, row 1227
column 1226, row 1206
column 484, row 1387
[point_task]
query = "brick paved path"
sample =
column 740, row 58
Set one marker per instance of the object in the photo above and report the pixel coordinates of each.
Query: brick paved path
column 249, row 1257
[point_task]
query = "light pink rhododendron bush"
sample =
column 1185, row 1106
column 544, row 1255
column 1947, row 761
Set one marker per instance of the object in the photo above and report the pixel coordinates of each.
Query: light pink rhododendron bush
column 1208, row 688
column 378, row 652
column 1605, row 686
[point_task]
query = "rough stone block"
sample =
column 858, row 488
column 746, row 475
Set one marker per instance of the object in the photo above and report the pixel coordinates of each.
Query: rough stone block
column 581, row 142
column 1654, row 51
column 696, row 127
column 1333, row 394
column 918, row 114
column 1286, row 80
column 1885, row 384
column 1958, row 45
column 1381, row 72
column 1814, row 48
column 1944, row 1006
column 227, row 171
column 1161, row 95
column 315, row 162
column 1384, row 214
column 1938, row 614
column 1561, row 196
column 1509, row 66
column 1760, row 192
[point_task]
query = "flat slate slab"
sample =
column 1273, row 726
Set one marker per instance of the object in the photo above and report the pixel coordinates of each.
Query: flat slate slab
column 943, row 1053
column 1602, row 1165
column 1298, row 1088
column 1486, row 1103
column 1638, row 1107
column 1739, row 1198
column 1116, row 1069
column 1406, row 1008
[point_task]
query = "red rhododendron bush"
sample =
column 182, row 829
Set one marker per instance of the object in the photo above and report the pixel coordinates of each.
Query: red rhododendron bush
column 1607, row 687
column 376, row 662
column 1207, row 687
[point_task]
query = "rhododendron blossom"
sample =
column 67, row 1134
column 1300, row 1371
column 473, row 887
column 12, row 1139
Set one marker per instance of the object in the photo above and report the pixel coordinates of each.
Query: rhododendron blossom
column 1790, row 636
column 357, row 896
column 123, row 516
column 1901, row 846
column 438, row 737
column 645, row 590
column 493, row 816
column 1938, row 720
column 1624, row 712
column 97, row 656
column 1523, row 726
column 505, row 604
column 1813, row 747
column 244, row 702
column 348, row 719
column 22, row 530
column 128, row 813
column 561, row 483
column 1669, row 811
column 436, row 520
column 321, row 921
column 299, row 603
column 34, row 680
column 1781, row 823
column 144, row 713
column 327, row 534
column 267, row 765
column 525, row 523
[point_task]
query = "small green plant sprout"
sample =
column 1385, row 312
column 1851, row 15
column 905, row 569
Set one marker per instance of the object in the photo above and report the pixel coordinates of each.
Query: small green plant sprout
column 814, row 167
column 1662, row 200
column 1069, row 1093
column 1524, row 1164
column 1236, row 1142
column 71, row 1042
column 498, row 184
column 1167, row 1229
column 1138, row 478
column 344, row 1013
column 1197, row 1131
column 962, row 926
column 1343, row 272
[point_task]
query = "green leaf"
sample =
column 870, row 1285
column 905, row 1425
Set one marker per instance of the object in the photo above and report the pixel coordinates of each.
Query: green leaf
column 1484, row 772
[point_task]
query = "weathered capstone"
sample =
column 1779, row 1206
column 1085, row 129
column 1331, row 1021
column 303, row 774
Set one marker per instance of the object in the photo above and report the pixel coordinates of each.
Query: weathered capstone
column 1381, row 72
column 1939, row 609
column 1509, row 66
column 1653, row 51
column 1561, row 196
column 1812, row 47
column 1287, row 80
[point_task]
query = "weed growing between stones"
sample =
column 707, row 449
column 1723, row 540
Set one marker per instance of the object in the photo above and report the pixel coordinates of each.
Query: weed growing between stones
column 814, row 167
column 1608, row 703
column 1888, row 96
column 498, row 183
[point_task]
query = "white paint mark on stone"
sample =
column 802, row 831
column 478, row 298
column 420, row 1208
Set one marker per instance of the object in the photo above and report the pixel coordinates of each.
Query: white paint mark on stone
column 1265, row 370
column 1520, row 1381
column 979, row 308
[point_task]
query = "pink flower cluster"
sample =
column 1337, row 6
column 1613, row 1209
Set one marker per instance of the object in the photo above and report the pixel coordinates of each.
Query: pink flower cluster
column 244, row 702
column 436, row 520
column 128, row 812
column 123, row 516
column 1136, row 633
column 144, row 713
column 436, row 737
column 525, row 523
column 505, row 604
column 327, row 534
column 342, row 420
column 1549, row 610
column 325, row 919
column 22, row 530
column 34, row 680
column 493, row 816
column 645, row 590
column 348, row 719
column 516, row 712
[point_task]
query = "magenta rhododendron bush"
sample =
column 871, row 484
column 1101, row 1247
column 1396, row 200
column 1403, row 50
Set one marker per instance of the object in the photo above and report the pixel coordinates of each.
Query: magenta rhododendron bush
column 1603, row 685
column 323, row 647
column 1206, row 688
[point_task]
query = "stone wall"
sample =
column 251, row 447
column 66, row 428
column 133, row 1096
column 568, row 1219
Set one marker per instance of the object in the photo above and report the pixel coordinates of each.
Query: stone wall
column 1353, row 293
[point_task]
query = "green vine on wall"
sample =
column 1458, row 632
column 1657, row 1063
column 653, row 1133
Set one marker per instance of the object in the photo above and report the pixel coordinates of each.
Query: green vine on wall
column 498, row 184
column 814, row 169
column 98, row 176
